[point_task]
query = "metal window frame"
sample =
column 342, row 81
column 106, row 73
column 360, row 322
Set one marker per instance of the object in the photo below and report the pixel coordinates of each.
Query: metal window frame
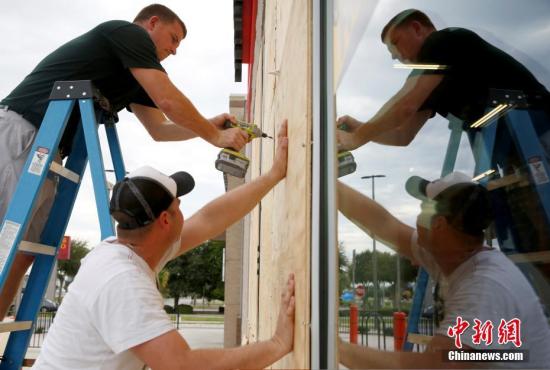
column 324, row 214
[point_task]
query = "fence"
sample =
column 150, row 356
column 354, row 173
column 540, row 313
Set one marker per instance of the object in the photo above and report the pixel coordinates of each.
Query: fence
column 45, row 319
column 41, row 327
column 376, row 329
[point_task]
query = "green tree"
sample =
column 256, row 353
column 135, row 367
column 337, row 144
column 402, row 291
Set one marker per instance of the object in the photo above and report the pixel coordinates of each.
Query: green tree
column 67, row 269
column 344, row 278
column 197, row 272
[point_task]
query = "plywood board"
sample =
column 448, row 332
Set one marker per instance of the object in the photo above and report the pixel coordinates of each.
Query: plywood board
column 282, row 89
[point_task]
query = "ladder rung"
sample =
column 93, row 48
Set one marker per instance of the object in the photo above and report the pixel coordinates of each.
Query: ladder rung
column 415, row 338
column 62, row 171
column 543, row 257
column 521, row 180
column 28, row 362
column 25, row 246
column 6, row 327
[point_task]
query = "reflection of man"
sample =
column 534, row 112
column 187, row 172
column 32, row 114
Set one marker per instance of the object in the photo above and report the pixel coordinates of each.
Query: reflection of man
column 473, row 66
column 481, row 282
column 113, row 317
column 123, row 61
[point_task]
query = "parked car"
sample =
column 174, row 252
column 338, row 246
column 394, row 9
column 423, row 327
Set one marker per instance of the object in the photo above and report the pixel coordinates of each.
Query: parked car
column 48, row 306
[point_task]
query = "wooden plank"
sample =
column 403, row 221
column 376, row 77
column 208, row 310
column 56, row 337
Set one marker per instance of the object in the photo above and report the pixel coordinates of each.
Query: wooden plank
column 532, row 257
column 285, row 213
column 62, row 171
column 419, row 339
column 519, row 180
column 30, row 247
column 6, row 327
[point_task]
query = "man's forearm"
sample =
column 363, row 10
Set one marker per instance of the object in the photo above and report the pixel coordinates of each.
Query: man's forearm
column 184, row 114
column 358, row 357
column 225, row 210
column 388, row 119
column 173, row 103
column 253, row 356
column 169, row 131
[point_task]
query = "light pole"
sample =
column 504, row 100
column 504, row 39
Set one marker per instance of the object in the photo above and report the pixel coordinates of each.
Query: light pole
column 374, row 259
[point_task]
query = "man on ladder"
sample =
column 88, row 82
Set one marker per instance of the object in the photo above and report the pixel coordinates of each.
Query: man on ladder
column 122, row 59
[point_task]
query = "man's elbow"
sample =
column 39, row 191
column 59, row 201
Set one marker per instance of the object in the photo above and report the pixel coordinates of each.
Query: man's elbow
column 405, row 111
column 167, row 105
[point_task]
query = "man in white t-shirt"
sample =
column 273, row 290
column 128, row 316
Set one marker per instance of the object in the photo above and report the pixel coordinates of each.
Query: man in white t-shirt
column 488, row 303
column 112, row 316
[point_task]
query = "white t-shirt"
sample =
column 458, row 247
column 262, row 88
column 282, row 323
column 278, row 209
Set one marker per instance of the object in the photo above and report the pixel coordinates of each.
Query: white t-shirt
column 111, row 306
column 488, row 286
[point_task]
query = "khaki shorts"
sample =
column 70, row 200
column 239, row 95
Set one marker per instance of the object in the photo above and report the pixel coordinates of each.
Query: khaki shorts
column 16, row 138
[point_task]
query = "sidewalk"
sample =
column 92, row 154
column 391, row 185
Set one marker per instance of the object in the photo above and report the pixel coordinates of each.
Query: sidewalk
column 197, row 334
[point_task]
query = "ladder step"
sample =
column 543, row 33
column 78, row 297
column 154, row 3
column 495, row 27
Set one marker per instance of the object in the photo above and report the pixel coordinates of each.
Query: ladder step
column 520, row 180
column 25, row 246
column 532, row 257
column 415, row 338
column 62, row 171
column 6, row 327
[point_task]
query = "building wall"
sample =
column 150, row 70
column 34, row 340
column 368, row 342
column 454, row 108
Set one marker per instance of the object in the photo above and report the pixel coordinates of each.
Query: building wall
column 234, row 236
column 279, row 228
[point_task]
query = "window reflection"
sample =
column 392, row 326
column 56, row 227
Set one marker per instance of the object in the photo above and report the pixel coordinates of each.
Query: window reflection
column 466, row 95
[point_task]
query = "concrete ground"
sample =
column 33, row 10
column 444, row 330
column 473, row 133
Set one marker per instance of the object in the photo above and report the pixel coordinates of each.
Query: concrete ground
column 203, row 336
column 196, row 335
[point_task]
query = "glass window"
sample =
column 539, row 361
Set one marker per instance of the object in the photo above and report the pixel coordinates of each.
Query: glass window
column 477, row 69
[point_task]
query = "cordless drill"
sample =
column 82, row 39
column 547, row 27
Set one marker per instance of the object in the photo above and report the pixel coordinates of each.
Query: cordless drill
column 346, row 161
column 231, row 161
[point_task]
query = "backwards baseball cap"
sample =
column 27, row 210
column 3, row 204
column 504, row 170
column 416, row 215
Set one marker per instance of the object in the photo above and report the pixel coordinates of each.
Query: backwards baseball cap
column 143, row 194
column 464, row 203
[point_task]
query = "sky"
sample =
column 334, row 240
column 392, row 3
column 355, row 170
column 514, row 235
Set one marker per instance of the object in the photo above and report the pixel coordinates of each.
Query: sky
column 203, row 69
column 521, row 28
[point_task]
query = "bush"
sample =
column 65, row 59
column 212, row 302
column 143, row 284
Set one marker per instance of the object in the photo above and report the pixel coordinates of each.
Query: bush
column 168, row 309
column 184, row 309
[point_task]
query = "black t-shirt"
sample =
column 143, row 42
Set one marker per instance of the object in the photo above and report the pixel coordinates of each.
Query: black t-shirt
column 104, row 55
column 474, row 67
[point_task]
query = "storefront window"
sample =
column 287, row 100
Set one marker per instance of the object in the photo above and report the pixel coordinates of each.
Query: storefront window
column 412, row 89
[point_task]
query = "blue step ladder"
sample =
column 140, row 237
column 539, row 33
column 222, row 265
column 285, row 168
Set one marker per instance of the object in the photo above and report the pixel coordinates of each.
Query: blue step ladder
column 513, row 111
column 86, row 146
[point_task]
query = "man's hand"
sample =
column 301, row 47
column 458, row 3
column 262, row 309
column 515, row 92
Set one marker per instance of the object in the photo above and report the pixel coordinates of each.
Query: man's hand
column 347, row 140
column 346, row 133
column 281, row 156
column 219, row 120
column 350, row 123
column 284, row 333
column 233, row 138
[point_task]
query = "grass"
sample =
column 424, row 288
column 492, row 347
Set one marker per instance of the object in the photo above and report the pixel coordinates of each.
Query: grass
column 202, row 318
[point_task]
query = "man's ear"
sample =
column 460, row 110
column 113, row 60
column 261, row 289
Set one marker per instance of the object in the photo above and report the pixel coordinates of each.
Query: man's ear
column 416, row 26
column 164, row 219
column 439, row 222
column 152, row 22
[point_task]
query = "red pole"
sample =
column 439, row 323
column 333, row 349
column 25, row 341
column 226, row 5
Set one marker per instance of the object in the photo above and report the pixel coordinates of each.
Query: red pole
column 399, row 330
column 353, row 323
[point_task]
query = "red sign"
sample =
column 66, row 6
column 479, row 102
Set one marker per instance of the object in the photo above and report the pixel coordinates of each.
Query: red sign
column 64, row 252
column 360, row 291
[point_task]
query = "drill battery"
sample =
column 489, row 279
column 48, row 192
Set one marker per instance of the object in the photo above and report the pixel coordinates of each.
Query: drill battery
column 232, row 162
column 346, row 164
